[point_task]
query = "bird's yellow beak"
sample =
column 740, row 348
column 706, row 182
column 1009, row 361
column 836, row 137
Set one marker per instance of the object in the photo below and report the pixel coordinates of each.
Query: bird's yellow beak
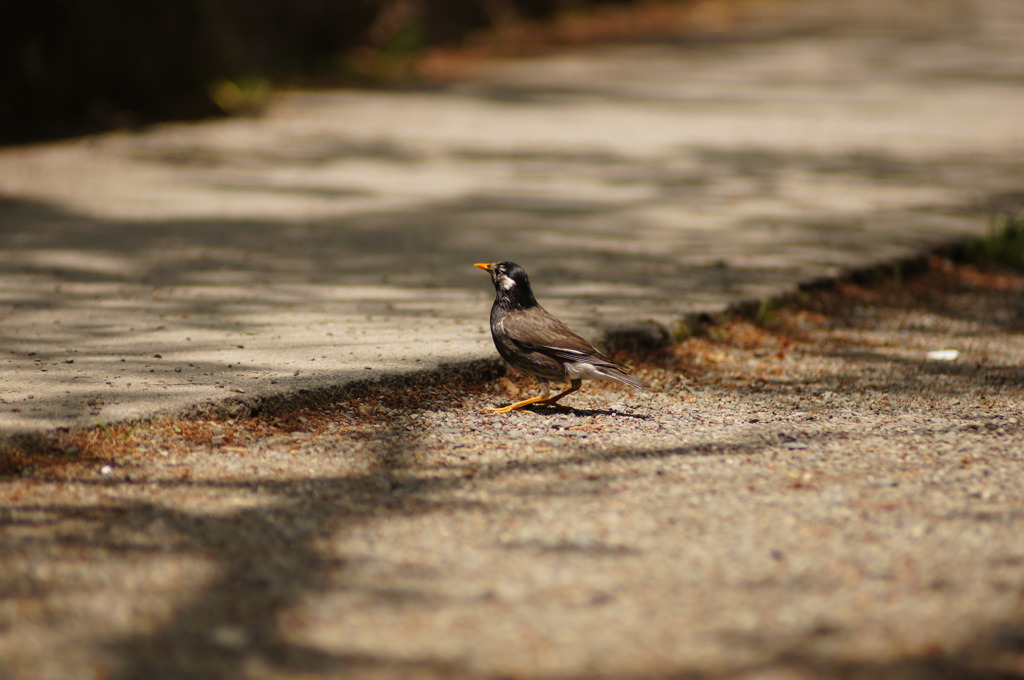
column 483, row 265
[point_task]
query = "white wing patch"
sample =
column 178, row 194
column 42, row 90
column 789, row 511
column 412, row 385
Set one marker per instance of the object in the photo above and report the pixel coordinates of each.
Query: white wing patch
column 566, row 350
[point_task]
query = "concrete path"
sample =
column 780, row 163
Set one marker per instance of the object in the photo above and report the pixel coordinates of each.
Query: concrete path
column 331, row 240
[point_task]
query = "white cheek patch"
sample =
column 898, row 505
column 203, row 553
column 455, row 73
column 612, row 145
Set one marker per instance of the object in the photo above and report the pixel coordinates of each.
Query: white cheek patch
column 506, row 283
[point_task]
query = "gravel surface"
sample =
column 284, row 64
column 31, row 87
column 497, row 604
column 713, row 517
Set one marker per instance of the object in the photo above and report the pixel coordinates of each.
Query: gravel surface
column 816, row 494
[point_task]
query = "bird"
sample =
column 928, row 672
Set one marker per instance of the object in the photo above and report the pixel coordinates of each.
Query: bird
column 534, row 342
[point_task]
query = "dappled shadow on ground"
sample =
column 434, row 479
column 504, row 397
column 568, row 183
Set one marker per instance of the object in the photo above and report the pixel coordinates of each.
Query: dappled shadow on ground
column 624, row 257
column 268, row 559
column 330, row 207
column 189, row 276
column 612, row 258
column 644, row 239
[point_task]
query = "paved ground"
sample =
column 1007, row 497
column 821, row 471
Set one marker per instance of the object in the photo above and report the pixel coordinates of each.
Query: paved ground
column 828, row 500
column 832, row 493
column 331, row 239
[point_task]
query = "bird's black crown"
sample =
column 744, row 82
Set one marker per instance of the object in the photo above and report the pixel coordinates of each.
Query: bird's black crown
column 512, row 284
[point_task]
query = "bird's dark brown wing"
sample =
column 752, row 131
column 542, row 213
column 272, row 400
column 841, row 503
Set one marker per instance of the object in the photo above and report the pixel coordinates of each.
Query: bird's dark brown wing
column 534, row 329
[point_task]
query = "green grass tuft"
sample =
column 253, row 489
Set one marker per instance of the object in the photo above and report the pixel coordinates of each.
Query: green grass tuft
column 1003, row 246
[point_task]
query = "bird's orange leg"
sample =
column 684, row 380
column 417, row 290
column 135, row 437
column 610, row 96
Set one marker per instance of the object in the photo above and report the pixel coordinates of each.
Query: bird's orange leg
column 545, row 392
column 518, row 404
column 553, row 401
column 542, row 400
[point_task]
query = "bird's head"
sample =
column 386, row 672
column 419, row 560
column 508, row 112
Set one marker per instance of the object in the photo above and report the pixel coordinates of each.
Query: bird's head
column 511, row 281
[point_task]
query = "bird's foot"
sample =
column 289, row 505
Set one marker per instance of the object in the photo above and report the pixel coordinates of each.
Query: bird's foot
column 503, row 409
column 517, row 405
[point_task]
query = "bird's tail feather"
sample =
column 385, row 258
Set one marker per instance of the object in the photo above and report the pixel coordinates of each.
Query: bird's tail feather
column 618, row 375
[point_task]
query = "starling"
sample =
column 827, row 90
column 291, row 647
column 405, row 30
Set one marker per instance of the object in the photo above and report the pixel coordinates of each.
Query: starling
column 534, row 342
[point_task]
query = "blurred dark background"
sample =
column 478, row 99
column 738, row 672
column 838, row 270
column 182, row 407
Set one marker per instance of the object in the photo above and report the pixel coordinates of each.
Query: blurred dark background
column 74, row 66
